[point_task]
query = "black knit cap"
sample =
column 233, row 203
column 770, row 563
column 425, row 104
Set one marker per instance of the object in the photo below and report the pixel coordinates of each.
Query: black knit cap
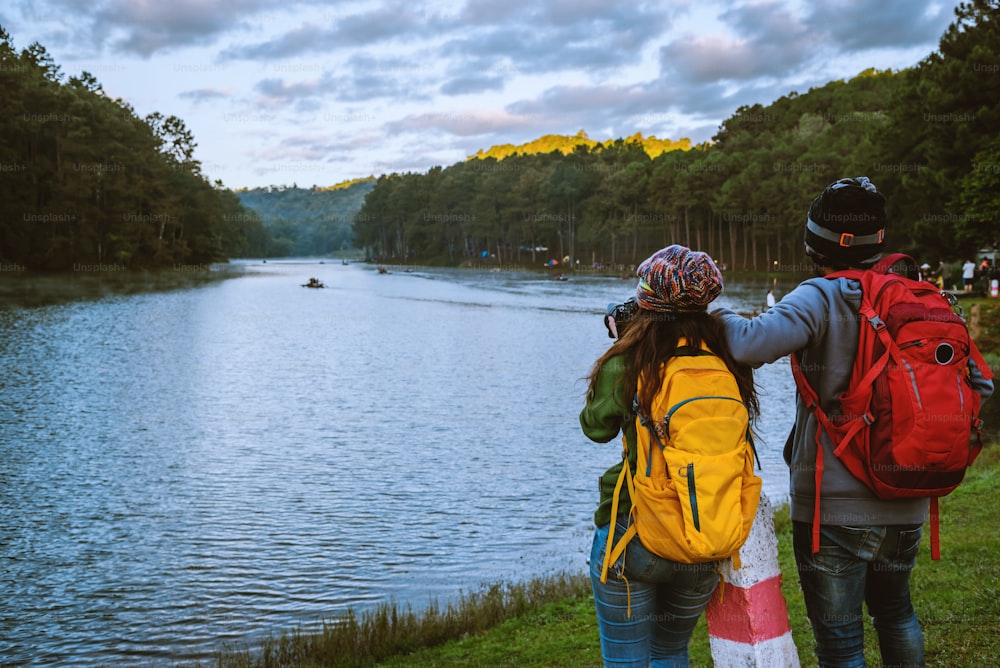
column 846, row 224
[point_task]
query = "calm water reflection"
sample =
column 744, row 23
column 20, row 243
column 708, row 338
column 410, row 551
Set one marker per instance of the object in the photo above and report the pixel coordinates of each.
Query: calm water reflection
column 180, row 468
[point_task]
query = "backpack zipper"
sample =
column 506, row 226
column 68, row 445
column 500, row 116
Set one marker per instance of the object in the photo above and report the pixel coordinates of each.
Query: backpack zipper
column 913, row 382
column 694, row 498
column 673, row 409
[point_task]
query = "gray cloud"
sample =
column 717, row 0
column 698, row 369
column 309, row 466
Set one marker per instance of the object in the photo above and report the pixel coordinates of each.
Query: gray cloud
column 360, row 79
column 205, row 95
column 473, row 84
column 491, row 12
column 857, row 25
column 280, row 89
column 342, row 89
column 307, row 38
column 770, row 42
column 545, row 37
column 551, row 38
column 560, row 100
column 392, row 21
column 145, row 28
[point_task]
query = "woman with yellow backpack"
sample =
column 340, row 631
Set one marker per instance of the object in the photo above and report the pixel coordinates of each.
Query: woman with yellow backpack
column 684, row 495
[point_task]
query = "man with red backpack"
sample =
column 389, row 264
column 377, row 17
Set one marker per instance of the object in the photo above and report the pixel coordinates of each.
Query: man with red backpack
column 856, row 537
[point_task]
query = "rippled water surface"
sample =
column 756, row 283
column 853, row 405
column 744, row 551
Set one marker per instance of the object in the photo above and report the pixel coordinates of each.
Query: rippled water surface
column 182, row 468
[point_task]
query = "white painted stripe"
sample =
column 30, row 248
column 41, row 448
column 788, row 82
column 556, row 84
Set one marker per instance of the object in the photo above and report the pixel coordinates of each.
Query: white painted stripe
column 759, row 555
column 777, row 652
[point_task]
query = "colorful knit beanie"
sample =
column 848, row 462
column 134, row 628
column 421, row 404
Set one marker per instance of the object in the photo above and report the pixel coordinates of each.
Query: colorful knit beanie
column 677, row 279
column 846, row 224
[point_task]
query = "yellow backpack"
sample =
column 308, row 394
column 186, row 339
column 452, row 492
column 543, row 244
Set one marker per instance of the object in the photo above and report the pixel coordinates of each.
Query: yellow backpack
column 694, row 492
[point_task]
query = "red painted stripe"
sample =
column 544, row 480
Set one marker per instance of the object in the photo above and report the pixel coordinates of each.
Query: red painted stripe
column 748, row 616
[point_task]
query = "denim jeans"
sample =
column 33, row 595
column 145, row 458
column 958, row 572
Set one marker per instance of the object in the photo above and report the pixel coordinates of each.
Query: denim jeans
column 856, row 565
column 666, row 599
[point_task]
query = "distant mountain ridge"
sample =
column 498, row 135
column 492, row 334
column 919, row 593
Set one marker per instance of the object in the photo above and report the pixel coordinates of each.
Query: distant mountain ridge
column 566, row 144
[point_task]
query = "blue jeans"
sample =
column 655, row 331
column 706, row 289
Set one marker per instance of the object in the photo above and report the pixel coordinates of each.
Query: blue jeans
column 667, row 598
column 856, row 565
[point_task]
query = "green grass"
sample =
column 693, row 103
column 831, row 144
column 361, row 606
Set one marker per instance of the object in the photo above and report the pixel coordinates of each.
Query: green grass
column 551, row 622
column 353, row 640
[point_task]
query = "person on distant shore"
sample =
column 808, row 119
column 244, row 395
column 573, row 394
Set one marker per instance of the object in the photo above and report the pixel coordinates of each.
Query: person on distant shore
column 649, row 605
column 968, row 275
column 867, row 545
column 769, row 302
column 925, row 273
column 940, row 273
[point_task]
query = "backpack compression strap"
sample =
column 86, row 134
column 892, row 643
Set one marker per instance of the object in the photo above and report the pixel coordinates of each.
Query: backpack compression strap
column 611, row 554
column 823, row 423
column 812, row 403
column 612, row 551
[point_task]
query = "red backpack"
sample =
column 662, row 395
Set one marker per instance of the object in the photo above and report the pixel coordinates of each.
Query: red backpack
column 909, row 421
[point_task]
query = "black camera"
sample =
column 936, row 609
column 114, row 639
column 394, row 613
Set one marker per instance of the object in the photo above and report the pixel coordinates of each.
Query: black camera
column 620, row 314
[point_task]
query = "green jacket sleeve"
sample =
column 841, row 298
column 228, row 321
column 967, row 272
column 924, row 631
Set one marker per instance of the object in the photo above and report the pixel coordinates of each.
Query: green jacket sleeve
column 606, row 414
column 606, row 411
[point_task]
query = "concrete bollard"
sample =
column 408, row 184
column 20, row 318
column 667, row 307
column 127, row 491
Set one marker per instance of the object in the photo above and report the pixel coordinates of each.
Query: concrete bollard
column 748, row 625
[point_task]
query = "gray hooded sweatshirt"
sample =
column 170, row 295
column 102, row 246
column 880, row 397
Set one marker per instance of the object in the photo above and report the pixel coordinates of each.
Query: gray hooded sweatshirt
column 820, row 320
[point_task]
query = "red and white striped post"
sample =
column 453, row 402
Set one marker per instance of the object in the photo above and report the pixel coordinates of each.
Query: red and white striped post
column 748, row 625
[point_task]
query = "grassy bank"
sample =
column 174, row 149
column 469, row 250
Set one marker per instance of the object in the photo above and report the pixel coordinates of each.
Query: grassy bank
column 551, row 623
column 354, row 640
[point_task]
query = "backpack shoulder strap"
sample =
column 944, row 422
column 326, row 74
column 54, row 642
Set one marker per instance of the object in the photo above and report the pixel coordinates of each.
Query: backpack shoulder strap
column 691, row 351
column 612, row 550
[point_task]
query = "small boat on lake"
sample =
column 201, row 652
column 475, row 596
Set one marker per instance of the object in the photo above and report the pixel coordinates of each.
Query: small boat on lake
column 314, row 283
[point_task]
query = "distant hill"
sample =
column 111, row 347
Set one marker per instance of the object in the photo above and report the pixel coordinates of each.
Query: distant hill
column 308, row 221
column 319, row 220
column 566, row 145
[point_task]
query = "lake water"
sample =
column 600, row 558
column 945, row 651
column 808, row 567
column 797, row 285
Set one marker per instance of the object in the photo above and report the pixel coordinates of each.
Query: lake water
column 185, row 467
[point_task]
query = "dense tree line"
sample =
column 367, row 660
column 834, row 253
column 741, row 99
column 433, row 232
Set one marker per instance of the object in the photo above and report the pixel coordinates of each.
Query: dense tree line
column 308, row 221
column 927, row 136
column 86, row 182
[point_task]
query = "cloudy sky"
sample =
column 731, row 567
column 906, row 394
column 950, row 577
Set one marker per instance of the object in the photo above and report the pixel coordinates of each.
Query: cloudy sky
column 314, row 92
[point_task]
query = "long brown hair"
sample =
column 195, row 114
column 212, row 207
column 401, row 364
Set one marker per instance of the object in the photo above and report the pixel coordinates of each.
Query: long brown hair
column 650, row 339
